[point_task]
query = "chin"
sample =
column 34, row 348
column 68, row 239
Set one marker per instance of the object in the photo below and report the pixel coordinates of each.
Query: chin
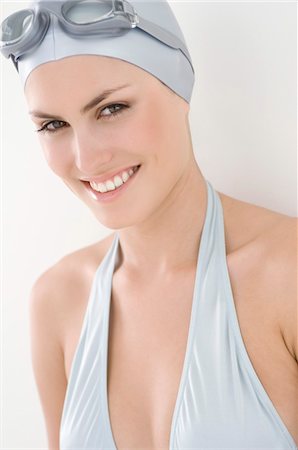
column 117, row 220
column 113, row 221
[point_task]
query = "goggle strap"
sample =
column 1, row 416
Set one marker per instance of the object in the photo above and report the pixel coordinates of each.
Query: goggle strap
column 164, row 36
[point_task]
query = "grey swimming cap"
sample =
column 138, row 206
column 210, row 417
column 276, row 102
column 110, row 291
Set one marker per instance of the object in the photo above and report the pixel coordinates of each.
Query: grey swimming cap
column 167, row 64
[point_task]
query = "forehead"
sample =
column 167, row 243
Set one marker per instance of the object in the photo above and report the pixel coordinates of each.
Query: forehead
column 75, row 79
column 88, row 68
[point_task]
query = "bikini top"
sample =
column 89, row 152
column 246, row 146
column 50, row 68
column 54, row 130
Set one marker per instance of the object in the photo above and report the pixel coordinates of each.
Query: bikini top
column 221, row 403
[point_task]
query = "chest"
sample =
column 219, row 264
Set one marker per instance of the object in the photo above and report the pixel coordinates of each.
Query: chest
column 148, row 335
column 148, row 342
column 147, row 346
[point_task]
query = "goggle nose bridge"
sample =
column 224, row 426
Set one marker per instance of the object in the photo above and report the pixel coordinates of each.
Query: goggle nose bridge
column 42, row 14
column 122, row 21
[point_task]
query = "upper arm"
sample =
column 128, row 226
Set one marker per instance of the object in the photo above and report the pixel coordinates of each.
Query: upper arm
column 47, row 355
column 56, row 302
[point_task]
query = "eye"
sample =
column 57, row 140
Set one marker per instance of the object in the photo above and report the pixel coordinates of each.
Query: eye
column 55, row 125
column 52, row 126
column 114, row 112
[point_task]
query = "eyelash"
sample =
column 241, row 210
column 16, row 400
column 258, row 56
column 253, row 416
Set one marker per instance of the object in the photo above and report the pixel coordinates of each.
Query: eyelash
column 44, row 128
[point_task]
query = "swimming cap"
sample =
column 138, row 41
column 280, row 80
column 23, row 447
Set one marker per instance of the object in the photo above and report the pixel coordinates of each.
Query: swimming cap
column 167, row 64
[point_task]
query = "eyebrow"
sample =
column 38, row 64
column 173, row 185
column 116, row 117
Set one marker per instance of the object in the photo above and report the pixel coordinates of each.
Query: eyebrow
column 95, row 101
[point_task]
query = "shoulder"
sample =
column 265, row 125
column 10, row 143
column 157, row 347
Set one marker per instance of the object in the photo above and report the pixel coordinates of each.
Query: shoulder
column 64, row 287
column 56, row 302
column 264, row 243
column 72, row 269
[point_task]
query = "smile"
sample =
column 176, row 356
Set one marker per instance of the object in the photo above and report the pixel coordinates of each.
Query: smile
column 115, row 182
column 113, row 187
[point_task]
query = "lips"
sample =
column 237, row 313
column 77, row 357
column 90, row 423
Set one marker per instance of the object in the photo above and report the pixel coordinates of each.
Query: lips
column 113, row 183
column 111, row 194
column 109, row 176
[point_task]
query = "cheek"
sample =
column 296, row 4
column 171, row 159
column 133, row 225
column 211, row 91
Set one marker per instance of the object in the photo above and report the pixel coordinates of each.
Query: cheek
column 159, row 134
column 57, row 156
column 149, row 133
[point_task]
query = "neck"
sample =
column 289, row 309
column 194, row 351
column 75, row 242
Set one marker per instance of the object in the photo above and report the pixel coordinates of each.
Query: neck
column 170, row 239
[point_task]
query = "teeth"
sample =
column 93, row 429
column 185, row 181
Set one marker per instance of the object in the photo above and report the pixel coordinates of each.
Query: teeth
column 100, row 187
column 118, row 181
column 110, row 185
column 125, row 176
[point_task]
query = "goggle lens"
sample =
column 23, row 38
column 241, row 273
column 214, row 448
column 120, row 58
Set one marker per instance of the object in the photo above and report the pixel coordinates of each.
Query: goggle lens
column 87, row 11
column 16, row 25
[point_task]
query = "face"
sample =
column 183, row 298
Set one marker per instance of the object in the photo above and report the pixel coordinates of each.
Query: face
column 88, row 137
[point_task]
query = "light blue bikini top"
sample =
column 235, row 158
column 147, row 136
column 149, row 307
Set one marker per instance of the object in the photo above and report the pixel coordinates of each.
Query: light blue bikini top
column 221, row 403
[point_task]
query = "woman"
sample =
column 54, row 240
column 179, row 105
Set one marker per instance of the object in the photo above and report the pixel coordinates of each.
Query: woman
column 177, row 330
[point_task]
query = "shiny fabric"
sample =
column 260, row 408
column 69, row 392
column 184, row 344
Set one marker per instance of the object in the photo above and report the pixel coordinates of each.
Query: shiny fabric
column 137, row 47
column 221, row 403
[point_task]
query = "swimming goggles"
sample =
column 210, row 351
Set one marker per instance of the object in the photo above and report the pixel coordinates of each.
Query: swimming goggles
column 24, row 30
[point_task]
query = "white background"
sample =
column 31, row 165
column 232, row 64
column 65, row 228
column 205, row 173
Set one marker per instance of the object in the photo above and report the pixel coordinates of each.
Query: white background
column 243, row 121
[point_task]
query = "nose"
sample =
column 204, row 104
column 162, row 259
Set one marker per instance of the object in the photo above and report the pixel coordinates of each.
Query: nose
column 90, row 151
